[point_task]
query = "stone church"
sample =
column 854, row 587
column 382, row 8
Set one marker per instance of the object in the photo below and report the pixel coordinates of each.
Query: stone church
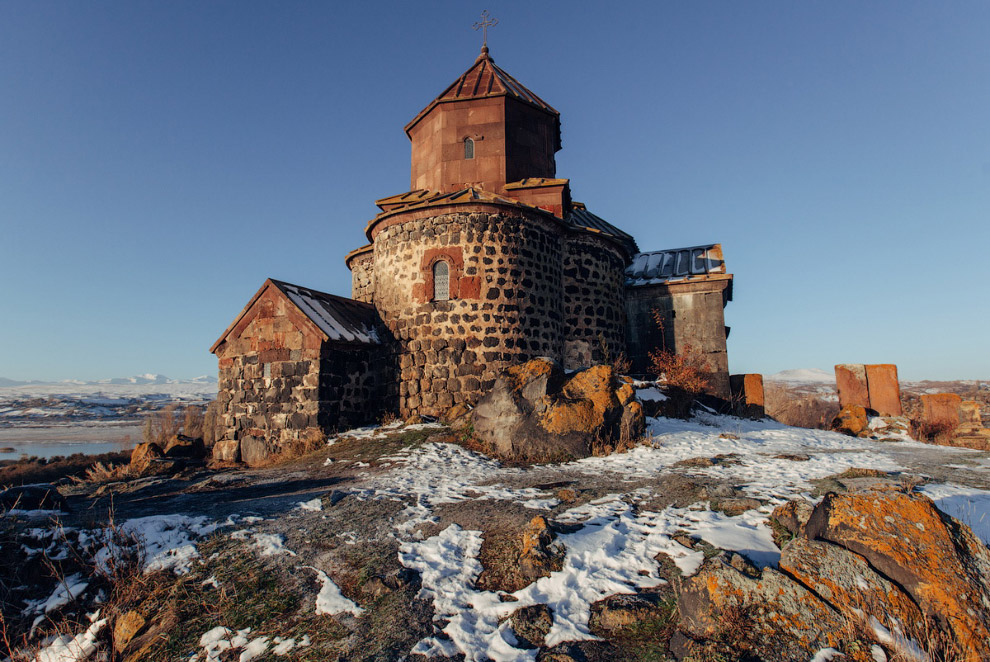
column 486, row 262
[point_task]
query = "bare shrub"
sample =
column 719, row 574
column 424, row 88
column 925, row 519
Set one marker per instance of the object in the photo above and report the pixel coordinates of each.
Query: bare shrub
column 939, row 432
column 620, row 362
column 160, row 426
column 388, row 418
column 803, row 411
column 105, row 473
column 192, row 423
column 684, row 371
column 210, row 423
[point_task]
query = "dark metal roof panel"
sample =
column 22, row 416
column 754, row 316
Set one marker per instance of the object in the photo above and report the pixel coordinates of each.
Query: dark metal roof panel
column 676, row 264
column 342, row 319
column 582, row 219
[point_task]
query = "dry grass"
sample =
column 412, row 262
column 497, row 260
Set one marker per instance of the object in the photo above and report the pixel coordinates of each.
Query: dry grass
column 48, row 470
column 105, row 473
column 933, row 433
column 311, row 441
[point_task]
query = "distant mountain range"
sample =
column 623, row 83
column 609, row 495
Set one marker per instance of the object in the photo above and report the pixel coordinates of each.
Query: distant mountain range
column 140, row 380
column 804, row 375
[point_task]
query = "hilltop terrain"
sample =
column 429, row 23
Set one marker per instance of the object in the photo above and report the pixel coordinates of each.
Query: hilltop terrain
column 399, row 540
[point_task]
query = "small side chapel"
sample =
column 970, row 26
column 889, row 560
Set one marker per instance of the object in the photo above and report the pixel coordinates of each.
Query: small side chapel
column 484, row 263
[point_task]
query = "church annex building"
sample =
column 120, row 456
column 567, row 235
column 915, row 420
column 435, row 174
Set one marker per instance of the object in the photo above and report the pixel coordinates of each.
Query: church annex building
column 486, row 262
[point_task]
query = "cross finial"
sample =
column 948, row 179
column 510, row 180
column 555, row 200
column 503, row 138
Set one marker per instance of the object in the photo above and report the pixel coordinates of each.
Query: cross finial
column 486, row 22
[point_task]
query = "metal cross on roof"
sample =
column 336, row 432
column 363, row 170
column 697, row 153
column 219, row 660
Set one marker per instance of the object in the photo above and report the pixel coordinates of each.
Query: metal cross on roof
column 486, row 22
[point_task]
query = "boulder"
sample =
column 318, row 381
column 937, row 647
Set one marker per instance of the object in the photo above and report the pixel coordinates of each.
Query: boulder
column 885, row 390
column 789, row 519
column 539, row 556
column 531, row 625
column 144, row 454
column 227, row 450
column 935, row 559
column 783, row 619
column 182, row 447
column 620, row 612
column 850, row 381
column 254, row 450
column 534, row 412
column 40, row 496
column 847, row 582
column 851, row 420
column 126, row 628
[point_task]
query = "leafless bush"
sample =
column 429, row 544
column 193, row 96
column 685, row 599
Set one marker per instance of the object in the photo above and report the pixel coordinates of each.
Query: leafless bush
column 210, row 423
column 160, row 426
column 939, row 432
column 192, row 424
column 803, row 411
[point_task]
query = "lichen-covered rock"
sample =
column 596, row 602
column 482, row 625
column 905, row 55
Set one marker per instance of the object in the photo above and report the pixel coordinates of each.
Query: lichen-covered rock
column 851, row 420
column 539, row 556
column 619, row 612
column 847, row 582
column 791, row 517
column 531, row 625
column 934, row 558
column 149, row 459
column 126, row 628
column 535, row 412
column 785, row 620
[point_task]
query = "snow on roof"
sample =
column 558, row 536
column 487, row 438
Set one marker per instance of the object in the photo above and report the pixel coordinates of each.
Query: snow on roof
column 341, row 319
column 676, row 264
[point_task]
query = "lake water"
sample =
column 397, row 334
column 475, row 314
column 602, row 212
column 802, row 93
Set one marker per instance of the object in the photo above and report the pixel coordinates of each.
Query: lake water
column 51, row 441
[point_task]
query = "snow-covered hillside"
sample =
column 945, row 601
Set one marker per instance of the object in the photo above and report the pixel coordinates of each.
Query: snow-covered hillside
column 32, row 403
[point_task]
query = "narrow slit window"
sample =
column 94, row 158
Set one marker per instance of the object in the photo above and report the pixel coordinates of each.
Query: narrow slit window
column 441, row 281
column 468, row 148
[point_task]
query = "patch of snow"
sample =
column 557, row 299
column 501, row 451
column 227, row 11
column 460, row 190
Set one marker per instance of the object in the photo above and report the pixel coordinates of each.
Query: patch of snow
column 967, row 504
column 314, row 505
column 651, row 394
column 66, row 648
column 437, row 473
column 167, row 541
column 827, row 655
column 67, row 590
column 330, row 600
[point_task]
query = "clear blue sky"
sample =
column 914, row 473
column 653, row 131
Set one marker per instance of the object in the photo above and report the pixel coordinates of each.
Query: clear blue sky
column 159, row 160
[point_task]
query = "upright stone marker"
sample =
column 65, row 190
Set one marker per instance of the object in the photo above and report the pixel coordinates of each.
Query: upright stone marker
column 747, row 395
column 941, row 409
column 850, row 379
column 885, row 391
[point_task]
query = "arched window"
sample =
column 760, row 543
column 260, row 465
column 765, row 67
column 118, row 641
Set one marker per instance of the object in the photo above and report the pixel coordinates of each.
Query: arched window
column 441, row 281
column 468, row 148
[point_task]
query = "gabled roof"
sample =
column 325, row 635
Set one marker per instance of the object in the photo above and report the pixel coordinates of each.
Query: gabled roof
column 582, row 219
column 485, row 79
column 340, row 318
column 677, row 265
column 337, row 318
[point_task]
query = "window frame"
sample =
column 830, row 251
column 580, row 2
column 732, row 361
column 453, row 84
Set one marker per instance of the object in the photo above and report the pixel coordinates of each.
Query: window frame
column 436, row 280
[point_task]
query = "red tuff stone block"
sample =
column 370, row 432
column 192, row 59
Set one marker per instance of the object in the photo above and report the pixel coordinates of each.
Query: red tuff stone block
column 885, row 392
column 941, row 408
column 747, row 395
column 969, row 414
column 850, row 379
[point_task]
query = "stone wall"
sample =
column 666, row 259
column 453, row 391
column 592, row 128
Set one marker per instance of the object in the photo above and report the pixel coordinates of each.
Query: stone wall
column 504, row 307
column 362, row 268
column 593, row 282
column 693, row 316
column 279, row 381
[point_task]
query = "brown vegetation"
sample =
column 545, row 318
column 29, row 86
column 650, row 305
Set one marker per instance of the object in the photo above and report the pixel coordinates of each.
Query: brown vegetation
column 50, row 470
column 806, row 410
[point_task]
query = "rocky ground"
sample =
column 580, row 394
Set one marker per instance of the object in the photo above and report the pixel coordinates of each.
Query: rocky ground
column 400, row 541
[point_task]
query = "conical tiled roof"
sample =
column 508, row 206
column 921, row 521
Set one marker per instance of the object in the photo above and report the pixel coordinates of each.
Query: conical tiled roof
column 485, row 79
